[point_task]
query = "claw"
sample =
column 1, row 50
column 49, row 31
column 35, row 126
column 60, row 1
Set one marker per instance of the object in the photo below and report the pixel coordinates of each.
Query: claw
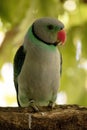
column 33, row 105
column 51, row 105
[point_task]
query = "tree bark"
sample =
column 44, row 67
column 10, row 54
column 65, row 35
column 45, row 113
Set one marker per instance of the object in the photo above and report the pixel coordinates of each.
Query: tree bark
column 62, row 117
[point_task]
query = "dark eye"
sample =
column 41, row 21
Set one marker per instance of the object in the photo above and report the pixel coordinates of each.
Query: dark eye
column 50, row 27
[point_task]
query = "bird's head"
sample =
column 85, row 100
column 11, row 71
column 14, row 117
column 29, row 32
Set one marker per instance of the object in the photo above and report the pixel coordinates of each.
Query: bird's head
column 49, row 30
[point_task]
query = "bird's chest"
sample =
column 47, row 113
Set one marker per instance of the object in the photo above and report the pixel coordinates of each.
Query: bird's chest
column 41, row 67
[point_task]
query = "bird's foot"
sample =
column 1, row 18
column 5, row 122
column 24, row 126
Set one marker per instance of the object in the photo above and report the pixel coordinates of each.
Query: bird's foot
column 51, row 105
column 33, row 105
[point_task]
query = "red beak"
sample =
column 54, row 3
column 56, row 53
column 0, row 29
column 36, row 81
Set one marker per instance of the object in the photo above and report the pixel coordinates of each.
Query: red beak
column 61, row 37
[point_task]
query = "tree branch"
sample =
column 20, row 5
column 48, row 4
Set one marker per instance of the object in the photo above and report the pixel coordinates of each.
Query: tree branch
column 63, row 117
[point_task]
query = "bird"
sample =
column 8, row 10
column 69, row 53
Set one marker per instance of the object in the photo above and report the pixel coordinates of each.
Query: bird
column 38, row 64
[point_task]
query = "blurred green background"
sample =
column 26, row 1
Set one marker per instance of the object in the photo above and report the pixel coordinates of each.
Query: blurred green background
column 15, row 18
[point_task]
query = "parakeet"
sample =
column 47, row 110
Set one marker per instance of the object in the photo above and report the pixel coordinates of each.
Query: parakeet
column 37, row 64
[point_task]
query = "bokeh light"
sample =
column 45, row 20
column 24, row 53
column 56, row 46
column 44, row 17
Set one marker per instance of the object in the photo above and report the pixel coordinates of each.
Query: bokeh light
column 7, row 89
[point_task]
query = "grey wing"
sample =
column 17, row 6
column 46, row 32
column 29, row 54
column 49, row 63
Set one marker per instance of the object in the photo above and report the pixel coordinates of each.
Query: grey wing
column 18, row 62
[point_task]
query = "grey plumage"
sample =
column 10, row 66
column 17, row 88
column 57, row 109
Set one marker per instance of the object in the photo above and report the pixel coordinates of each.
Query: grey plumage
column 37, row 66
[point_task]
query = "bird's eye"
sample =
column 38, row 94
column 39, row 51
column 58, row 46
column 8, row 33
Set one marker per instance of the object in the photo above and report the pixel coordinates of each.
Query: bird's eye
column 50, row 27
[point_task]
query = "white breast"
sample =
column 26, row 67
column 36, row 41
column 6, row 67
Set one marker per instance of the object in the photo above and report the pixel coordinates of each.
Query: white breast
column 39, row 77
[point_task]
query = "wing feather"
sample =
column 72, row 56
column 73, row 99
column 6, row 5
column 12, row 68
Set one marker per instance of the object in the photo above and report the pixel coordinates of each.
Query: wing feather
column 18, row 63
